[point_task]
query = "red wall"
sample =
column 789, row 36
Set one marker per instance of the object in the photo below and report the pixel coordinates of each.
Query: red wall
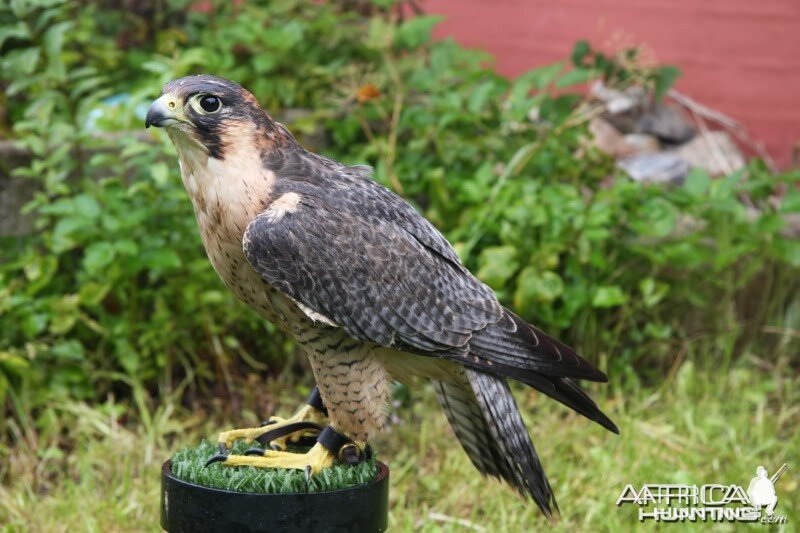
column 741, row 57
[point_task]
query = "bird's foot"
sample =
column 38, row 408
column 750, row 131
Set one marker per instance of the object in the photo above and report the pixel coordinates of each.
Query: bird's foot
column 313, row 461
column 278, row 432
column 331, row 445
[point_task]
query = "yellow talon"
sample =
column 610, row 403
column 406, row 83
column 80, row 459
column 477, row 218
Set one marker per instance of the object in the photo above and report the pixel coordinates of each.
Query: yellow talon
column 248, row 434
column 306, row 414
column 317, row 458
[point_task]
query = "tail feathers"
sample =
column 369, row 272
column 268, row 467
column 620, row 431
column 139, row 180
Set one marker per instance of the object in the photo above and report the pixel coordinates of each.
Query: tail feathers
column 487, row 422
column 466, row 418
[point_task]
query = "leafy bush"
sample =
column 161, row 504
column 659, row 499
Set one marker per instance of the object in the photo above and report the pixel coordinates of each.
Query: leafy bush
column 113, row 288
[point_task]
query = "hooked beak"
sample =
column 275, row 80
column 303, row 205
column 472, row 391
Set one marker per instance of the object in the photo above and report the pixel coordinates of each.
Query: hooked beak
column 163, row 112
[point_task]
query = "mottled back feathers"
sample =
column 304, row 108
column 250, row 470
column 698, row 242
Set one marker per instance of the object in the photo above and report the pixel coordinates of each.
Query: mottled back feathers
column 361, row 256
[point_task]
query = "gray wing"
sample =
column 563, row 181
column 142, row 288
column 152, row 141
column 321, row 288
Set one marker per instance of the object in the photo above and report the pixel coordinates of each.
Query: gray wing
column 362, row 257
column 367, row 273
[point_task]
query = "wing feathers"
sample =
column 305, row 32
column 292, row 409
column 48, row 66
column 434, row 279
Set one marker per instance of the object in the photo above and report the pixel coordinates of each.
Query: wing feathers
column 356, row 253
column 515, row 343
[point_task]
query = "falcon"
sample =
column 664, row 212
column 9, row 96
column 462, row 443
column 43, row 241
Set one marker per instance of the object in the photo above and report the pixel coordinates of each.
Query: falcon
column 369, row 288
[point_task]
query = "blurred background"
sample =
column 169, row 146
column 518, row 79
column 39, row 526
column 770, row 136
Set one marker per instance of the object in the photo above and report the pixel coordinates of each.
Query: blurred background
column 623, row 176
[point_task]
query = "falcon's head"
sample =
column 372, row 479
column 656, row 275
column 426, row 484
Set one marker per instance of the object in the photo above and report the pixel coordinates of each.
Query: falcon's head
column 211, row 114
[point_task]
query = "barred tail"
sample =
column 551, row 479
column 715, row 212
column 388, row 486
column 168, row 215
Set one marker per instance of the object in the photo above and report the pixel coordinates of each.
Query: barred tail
column 487, row 422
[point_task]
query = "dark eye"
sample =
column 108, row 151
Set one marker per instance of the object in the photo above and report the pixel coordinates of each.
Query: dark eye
column 210, row 104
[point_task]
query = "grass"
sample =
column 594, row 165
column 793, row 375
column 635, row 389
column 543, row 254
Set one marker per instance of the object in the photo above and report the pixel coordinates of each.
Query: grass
column 699, row 425
column 189, row 465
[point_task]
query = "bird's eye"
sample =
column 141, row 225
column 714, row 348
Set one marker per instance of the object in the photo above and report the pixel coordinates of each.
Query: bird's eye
column 210, row 104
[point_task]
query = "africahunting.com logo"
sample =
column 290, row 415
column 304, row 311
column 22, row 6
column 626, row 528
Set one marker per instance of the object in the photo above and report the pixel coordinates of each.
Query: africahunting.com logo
column 708, row 503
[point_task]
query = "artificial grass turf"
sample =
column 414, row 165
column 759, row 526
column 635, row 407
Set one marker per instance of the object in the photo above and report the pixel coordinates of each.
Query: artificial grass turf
column 189, row 465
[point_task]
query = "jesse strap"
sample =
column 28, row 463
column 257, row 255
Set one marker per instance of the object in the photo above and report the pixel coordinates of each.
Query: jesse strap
column 315, row 400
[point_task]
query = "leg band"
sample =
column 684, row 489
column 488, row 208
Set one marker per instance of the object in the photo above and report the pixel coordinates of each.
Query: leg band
column 340, row 445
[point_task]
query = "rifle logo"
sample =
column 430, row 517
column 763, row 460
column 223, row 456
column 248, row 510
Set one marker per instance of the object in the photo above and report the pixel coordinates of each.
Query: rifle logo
column 708, row 503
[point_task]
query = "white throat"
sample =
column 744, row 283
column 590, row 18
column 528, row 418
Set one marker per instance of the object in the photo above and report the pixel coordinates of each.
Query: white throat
column 228, row 192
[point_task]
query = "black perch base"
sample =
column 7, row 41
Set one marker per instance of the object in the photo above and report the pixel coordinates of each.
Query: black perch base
column 186, row 507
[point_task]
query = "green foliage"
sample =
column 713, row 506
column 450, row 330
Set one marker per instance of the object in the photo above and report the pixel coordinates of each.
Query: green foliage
column 189, row 465
column 621, row 70
column 113, row 288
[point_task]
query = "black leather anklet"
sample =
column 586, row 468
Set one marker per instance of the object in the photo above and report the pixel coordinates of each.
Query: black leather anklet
column 340, row 445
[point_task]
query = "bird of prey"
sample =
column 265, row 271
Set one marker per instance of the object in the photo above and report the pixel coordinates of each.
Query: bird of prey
column 369, row 288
